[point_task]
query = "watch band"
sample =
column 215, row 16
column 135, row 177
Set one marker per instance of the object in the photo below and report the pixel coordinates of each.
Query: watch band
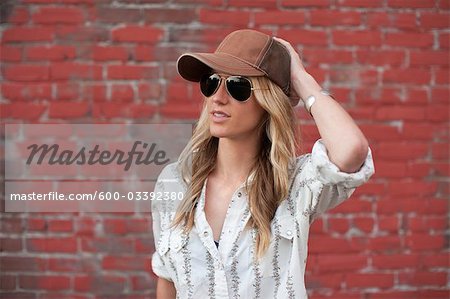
column 309, row 101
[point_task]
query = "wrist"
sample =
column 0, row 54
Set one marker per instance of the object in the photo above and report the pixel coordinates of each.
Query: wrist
column 305, row 85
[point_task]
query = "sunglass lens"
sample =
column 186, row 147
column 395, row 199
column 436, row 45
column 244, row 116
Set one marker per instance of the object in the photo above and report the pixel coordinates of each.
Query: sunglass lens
column 239, row 88
column 209, row 84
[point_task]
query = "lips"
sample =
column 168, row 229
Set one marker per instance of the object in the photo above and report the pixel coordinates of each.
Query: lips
column 219, row 113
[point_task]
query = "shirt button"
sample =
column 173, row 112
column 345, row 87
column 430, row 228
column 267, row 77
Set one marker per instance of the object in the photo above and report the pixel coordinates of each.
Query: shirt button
column 289, row 233
column 177, row 246
column 205, row 233
column 239, row 194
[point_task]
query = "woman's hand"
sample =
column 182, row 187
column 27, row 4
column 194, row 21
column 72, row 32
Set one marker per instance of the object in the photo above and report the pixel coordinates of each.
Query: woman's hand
column 302, row 83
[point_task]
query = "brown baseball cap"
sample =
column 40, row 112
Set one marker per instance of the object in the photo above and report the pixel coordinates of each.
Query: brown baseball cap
column 243, row 52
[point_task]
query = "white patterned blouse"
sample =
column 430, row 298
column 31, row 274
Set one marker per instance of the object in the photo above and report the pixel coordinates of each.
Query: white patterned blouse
column 199, row 269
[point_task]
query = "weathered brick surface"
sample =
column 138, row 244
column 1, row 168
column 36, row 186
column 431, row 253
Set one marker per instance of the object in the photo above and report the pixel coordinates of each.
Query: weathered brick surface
column 387, row 62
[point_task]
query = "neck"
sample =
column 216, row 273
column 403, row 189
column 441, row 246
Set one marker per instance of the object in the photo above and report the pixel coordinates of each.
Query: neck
column 235, row 158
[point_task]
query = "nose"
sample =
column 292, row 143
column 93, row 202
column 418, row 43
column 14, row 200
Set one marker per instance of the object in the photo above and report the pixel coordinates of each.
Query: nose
column 221, row 95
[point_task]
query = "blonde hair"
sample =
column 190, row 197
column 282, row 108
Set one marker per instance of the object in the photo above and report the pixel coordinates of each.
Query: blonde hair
column 272, row 167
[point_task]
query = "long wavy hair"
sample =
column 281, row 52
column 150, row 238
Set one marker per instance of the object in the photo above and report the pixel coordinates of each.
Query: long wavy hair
column 272, row 167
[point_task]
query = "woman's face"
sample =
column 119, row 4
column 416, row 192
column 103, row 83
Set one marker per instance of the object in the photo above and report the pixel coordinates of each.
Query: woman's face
column 238, row 119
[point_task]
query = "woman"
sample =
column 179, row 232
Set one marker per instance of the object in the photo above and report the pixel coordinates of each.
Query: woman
column 241, row 230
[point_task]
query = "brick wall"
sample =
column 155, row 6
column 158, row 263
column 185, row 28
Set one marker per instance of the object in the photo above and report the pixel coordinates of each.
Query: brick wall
column 387, row 61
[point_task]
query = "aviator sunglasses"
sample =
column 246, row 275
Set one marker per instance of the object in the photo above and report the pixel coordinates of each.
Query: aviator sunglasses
column 238, row 87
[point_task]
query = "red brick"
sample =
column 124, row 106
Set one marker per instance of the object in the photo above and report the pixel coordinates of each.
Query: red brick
column 214, row 16
column 428, row 58
column 388, row 169
column 108, row 14
column 115, row 226
column 52, row 53
column 388, row 223
column 132, row 72
column 63, row 244
column 305, row 3
column 335, row 245
column 400, row 113
column 402, row 150
column 435, row 20
column 12, row 225
column 180, row 16
column 331, row 281
column 10, row 244
column 101, row 284
column 440, row 95
column 411, row 3
column 361, row 3
column 419, row 40
column 380, row 132
column 59, row 225
column 444, row 40
column 419, row 242
column 426, row 224
column 332, row 18
column 94, row 92
column 68, row 110
column 365, row 224
column 395, row 261
column 122, row 93
column 439, row 260
column 144, row 245
column 326, row 263
column 19, row 15
column 405, row 20
column 27, row 34
column 7, row 282
column 413, row 188
column 30, row 264
column 111, row 245
column 423, row 278
column 440, row 151
column 10, row 54
column 23, row 111
column 36, row 224
column 388, row 244
column 26, row 72
column 418, row 131
column 304, row 37
column 315, row 57
column 438, row 113
column 144, row 53
column 109, row 53
column 26, row 91
column 58, row 15
column 353, row 206
column 137, row 34
column 125, row 263
column 44, row 282
column 186, row 111
column 411, row 75
column 340, row 225
column 381, row 57
column 75, row 70
column 356, row 38
column 74, row 33
column 253, row 3
column 279, row 17
column 363, row 280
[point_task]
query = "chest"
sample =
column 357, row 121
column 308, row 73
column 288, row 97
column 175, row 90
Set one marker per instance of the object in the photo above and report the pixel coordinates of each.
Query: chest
column 217, row 201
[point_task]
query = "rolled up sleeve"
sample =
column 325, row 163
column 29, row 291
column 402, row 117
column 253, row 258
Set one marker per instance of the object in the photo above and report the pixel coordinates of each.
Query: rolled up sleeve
column 327, row 186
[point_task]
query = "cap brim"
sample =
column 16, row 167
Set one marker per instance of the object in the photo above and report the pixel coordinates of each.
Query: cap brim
column 192, row 66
